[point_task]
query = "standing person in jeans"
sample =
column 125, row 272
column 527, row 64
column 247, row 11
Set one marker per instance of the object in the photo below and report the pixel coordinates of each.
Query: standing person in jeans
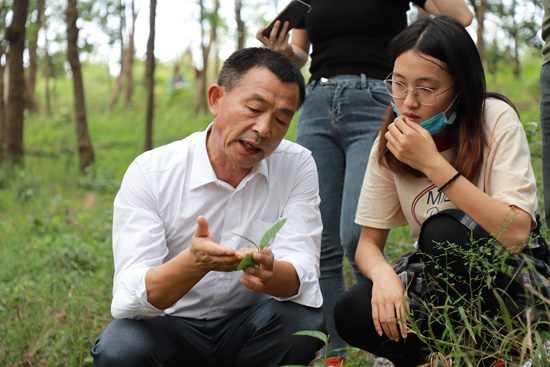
column 345, row 106
column 545, row 109
column 179, row 298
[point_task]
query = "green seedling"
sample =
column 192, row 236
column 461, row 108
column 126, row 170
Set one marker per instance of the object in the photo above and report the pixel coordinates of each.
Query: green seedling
column 324, row 338
column 248, row 261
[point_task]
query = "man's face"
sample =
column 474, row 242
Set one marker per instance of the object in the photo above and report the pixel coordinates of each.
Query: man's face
column 251, row 120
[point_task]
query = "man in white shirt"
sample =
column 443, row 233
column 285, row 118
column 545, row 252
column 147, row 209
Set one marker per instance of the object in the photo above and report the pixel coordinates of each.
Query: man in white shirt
column 178, row 299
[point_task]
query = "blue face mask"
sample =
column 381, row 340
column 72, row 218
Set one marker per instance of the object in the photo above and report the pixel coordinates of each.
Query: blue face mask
column 437, row 122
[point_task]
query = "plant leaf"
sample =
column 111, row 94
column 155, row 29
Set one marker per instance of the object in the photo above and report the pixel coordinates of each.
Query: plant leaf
column 466, row 322
column 270, row 233
column 315, row 334
column 247, row 261
column 248, row 239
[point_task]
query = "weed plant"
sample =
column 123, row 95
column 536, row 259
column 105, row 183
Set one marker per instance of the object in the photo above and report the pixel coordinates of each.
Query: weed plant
column 459, row 332
column 359, row 358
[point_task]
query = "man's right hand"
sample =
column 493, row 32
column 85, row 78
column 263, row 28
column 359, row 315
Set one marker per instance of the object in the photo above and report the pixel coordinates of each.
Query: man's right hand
column 207, row 254
column 170, row 281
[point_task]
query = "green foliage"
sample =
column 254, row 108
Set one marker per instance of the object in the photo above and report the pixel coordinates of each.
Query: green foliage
column 458, row 331
column 56, row 265
column 525, row 94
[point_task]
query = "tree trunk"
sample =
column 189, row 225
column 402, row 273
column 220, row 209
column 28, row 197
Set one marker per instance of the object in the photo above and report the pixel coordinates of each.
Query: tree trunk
column 513, row 51
column 15, row 34
column 240, row 25
column 31, row 103
column 150, row 78
column 3, row 127
column 130, row 60
column 120, row 80
column 3, row 139
column 514, row 39
column 200, row 98
column 47, row 69
column 126, row 63
column 33, row 45
column 85, row 149
column 479, row 11
column 122, row 9
column 199, row 103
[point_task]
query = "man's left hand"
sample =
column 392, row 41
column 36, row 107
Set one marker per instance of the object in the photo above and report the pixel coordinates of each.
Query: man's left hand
column 256, row 278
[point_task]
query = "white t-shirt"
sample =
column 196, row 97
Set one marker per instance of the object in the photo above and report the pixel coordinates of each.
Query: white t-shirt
column 389, row 200
column 155, row 215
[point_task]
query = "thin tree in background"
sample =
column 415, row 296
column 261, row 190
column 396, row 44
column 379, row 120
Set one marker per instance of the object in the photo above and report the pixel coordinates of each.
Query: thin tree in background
column 150, row 77
column 3, row 56
column 130, row 59
column 241, row 35
column 212, row 19
column 127, row 61
column 121, row 28
column 480, row 6
column 31, row 102
column 3, row 127
column 47, row 73
column 85, row 149
column 15, row 34
column 33, row 44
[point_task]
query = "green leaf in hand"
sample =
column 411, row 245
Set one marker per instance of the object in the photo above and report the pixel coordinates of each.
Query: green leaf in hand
column 249, row 240
column 248, row 261
column 270, row 233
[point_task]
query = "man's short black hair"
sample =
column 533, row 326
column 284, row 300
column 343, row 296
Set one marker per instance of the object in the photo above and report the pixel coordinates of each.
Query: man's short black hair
column 241, row 61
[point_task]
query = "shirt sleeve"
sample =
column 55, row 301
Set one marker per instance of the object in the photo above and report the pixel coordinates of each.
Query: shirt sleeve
column 138, row 244
column 509, row 174
column 379, row 205
column 299, row 241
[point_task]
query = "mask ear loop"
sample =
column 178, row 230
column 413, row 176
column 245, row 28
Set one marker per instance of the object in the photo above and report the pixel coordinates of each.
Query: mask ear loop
column 447, row 109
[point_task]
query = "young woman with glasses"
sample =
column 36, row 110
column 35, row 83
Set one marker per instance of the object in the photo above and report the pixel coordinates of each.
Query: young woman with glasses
column 344, row 108
column 452, row 162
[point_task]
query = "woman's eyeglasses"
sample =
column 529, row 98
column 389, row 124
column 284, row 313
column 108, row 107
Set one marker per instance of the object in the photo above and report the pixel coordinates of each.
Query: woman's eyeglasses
column 424, row 96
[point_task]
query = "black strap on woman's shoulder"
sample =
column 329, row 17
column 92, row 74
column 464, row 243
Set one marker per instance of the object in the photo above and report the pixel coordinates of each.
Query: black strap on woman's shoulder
column 538, row 247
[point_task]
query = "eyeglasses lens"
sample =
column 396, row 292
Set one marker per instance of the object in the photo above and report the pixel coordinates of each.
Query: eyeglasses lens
column 425, row 96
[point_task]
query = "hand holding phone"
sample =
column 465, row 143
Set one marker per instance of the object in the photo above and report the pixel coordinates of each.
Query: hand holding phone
column 293, row 13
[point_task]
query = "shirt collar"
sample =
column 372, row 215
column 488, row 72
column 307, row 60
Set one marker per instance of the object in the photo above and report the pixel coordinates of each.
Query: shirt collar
column 202, row 172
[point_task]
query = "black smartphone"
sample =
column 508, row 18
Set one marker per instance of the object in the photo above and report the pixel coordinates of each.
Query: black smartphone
column 293, row 13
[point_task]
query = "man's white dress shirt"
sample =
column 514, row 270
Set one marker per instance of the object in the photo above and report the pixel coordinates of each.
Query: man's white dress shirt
column 155, row 215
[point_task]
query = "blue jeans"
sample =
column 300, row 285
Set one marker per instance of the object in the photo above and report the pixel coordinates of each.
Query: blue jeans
column 260, row 335
column 545, row 128
column 338, row 123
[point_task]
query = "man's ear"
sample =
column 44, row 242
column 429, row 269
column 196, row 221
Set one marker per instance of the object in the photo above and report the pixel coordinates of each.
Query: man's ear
column 215, row 95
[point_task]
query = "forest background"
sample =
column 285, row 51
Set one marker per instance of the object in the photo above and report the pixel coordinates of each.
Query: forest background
column 85, row 88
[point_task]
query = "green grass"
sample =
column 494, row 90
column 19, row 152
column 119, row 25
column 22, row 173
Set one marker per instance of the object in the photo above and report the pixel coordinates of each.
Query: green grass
column 55, row 244
column 55, row 226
